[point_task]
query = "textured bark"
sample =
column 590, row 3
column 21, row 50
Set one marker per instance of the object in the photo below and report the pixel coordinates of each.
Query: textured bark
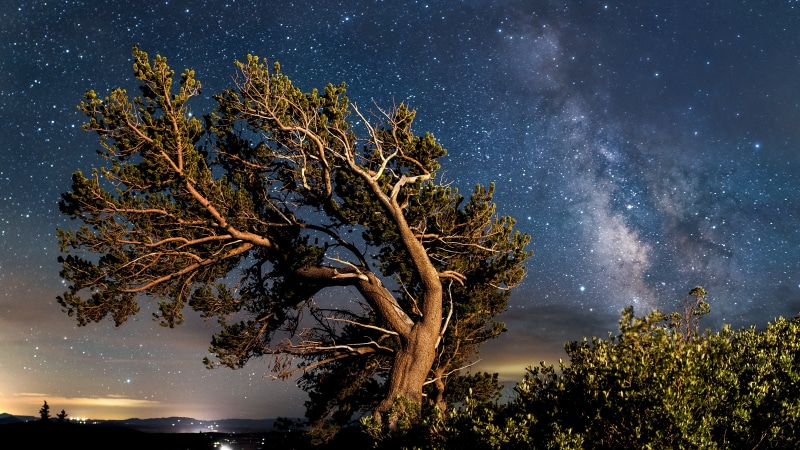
column 412, row 363
column 438, row 391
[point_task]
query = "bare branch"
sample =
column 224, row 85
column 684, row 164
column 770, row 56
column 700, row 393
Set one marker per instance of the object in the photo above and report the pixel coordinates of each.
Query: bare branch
column 243, row 235
column 449, row 315
column 314, row 348
column 239, row 250
column 371, row 327
column 461, row 278
column 451, row 372
column 357, row 273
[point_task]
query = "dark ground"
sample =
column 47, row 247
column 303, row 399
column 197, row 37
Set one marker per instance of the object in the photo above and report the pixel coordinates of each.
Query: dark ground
column 51, row 435
column 56, row 435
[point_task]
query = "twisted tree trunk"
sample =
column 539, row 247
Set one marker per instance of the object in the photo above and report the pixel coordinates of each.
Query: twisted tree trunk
column 412, row 364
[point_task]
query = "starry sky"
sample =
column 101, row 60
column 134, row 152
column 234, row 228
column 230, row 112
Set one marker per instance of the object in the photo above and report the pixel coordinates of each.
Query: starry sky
column 646, row 146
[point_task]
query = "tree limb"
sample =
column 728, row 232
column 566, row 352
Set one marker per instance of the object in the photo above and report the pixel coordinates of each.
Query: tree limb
column 371, row 327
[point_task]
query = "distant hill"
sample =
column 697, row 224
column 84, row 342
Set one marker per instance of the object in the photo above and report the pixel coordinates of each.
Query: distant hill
column 170, row 424
column 8, row 418
column 190, row 425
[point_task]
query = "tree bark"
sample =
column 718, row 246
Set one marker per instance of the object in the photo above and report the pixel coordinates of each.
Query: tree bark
column 438, row 389
column 412, row 363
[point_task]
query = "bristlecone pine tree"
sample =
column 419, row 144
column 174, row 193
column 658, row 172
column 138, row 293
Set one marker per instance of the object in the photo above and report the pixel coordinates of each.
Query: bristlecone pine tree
column 277, row 196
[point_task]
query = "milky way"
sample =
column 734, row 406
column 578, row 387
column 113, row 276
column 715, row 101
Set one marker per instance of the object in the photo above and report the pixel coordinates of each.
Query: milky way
column 645, row 148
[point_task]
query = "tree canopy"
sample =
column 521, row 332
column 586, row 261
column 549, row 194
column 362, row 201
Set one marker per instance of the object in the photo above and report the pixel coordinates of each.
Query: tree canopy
column 277, row 195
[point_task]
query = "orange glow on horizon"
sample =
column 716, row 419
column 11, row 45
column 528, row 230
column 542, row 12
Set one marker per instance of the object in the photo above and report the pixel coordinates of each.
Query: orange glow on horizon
column 106, row 408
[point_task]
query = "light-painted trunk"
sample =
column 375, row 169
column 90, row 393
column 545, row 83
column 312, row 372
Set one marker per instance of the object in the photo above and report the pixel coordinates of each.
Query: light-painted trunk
column 412, row 364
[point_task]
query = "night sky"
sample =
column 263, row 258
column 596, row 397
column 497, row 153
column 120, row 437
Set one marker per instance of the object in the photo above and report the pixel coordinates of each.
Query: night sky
column 647, row 147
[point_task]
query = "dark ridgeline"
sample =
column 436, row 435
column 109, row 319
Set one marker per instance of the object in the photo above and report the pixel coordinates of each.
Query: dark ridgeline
column 37, row 434
column 43, row 435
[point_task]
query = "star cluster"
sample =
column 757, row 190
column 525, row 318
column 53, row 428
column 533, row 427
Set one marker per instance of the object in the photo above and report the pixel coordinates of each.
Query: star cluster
column 647, row 147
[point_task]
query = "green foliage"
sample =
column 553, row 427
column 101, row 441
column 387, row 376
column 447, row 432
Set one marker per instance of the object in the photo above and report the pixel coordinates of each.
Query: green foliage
column 661, row 384
column 482, row 387
column 474, row 424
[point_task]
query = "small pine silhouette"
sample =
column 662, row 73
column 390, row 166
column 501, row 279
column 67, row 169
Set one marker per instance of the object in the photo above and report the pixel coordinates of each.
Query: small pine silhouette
column 44, row 412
